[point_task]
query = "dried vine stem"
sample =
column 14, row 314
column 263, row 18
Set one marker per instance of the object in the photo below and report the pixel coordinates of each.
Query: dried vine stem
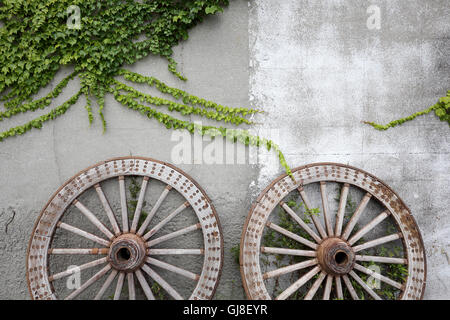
column 35, row 42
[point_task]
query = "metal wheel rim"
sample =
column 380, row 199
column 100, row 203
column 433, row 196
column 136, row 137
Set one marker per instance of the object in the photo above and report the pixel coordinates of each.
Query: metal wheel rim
column 250, row 246
column 37, row 263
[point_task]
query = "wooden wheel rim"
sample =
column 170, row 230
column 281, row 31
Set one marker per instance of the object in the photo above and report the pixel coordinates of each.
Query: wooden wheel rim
column 37, row 254
column 257, row 218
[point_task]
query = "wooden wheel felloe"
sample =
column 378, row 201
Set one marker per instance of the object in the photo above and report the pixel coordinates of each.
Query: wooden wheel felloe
column 122, row 253
column 334, row 249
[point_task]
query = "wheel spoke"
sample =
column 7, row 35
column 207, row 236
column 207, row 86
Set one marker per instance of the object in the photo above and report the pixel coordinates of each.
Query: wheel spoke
column 350, row 288
column 377, row 242
column 173, row 268
column 289, row 269
column 381, row 259
column 372, row 224
column 291, row 235
column 85, row 285
column 144, row 285
column 312, row 291
column 93, row 219
column 108, row 210
column 119, row 286
column 339, row 292
column 291, row 252
column 314, row 218
column 165, row 220
column 156, row 252
column 341, row 210
column 378, row 276
column 121, row 239
column 155, row 208
column 327, row 290
column 364, row 286
column 356, row 215
column 79, row 251
column 76, row 269
column 131, row 287
column 137, row 213
column 123, row 204
column 174, row 234
column 297, row 284
column 83, row 233
column 106, row 285
column 326, row 209
column 300, row 222
column 162, row 282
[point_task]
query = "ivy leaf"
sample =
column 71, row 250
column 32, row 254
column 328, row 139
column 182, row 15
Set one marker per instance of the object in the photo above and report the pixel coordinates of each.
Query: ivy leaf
column 213, row 9
column 72, row 41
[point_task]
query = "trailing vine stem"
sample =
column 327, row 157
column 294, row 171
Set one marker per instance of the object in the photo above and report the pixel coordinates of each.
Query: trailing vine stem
column 234, row 135
column 40, row 103
column 183, row 109
column 35, row 42
column 187, row 98
column 38, row 122
column 441, row 110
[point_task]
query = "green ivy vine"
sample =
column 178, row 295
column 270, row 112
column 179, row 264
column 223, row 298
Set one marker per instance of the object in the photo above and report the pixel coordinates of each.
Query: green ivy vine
column 36, row 42
column 441, row 110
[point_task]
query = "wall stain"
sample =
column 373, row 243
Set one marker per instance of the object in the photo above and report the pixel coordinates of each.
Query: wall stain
column 444, row 252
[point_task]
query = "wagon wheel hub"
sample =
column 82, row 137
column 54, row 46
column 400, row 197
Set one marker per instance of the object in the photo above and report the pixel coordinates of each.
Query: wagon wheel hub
column 335, row 256
column 127, row 252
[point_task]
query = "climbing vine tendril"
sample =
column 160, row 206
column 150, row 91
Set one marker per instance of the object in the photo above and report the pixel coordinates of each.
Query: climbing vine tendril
column 36, row 42
column 441, row 110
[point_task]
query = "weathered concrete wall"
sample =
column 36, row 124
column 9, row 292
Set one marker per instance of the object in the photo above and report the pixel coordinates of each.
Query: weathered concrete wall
column 215, row 60
column 317, row 70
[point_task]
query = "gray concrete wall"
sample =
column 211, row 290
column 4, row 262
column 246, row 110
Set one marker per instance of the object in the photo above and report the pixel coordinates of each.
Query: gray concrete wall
column 317, row 70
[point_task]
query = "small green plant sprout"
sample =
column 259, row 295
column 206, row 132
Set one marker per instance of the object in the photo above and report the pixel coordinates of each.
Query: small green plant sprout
column 134, row 189
column 235, row 252
column 158, row 291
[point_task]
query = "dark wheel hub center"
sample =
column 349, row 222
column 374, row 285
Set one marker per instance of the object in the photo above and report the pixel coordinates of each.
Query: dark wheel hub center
column 335, row 256
column 127, row 252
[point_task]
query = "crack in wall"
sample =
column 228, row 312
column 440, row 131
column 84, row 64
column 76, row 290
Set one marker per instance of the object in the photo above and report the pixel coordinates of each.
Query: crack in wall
column 10, row 221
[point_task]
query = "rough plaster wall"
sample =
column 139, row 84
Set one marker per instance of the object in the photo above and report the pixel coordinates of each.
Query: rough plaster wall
column 32, row 167
column 318, row 71
column 316, row 60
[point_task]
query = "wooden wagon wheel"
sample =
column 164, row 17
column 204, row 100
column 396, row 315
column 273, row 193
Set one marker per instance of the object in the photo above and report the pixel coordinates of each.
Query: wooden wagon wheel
column 128, row 244
column 330, row 258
